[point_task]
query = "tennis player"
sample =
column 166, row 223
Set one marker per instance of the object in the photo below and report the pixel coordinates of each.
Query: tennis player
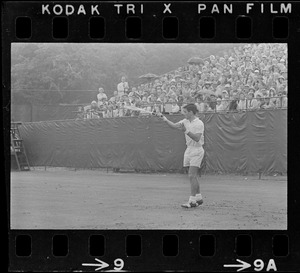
column 193, row 129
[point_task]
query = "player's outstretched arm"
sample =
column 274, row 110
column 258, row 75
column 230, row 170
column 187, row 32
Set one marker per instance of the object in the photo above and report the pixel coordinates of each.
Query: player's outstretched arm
column 170, row 123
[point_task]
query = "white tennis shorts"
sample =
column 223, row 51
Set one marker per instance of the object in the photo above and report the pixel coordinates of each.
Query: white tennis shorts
column 193, row 156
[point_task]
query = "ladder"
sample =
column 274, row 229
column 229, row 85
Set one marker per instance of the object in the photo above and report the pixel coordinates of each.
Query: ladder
column 17, row 148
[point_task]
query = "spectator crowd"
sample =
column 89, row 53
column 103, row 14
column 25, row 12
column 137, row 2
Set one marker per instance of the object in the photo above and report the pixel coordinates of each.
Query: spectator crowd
column 247, row 77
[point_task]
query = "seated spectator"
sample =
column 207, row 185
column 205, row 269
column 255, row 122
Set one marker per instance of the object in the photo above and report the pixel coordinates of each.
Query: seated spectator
column 279, row 100
column 260, row 100
column 200, row 103
column 213, row 102
column 115, row 110
column 175, row 109
column 120, row 106
column 220, row 87
column 80, row 113
column 272, row 96
column 226, row 101
column 141, row 91
column 152, row 98
column 284, row 100
column 180, row 101
column 280, row 83
column 207, row 101
column 224, row 93
column 207, row 87
column 234, row 101
column 227, row 88
column 267, row 104
column 220, row 105
column 94, row 110
column 251, row 102
column 108, row 113
column 242, row 103
column 145, row 105
column 127, row 112
column 115, row 97
column 172, row 90
column 133, row 92
column 157, row 107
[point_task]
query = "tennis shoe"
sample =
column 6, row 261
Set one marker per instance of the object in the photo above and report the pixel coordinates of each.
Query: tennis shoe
column 199, row 202
column 189, row 205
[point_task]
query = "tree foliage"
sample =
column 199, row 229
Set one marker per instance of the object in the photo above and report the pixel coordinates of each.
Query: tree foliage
column 53, row 73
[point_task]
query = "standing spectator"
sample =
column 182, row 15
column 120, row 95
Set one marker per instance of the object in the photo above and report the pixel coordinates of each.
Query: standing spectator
column 101, row 95
column 122, row 87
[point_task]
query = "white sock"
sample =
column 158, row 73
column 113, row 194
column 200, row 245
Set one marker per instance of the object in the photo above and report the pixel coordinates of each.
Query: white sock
column 198, row 196
column 192, row 199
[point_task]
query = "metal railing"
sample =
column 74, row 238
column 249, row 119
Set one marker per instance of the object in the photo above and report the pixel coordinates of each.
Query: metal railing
column 212, row 106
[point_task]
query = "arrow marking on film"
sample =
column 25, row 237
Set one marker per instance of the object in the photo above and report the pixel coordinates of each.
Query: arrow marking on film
column 243, row 265
column 100, row 265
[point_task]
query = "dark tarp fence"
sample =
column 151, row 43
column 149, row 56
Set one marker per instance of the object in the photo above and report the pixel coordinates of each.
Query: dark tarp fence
column 244, row 142
column 32, row 113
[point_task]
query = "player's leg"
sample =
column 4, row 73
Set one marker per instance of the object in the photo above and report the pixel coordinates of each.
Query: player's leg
column 199, row 199
column 193, row 177
column 198, row 162
column 192, row 174
column 186, row 164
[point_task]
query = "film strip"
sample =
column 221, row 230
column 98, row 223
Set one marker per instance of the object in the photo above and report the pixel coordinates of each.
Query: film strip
column 105, row 245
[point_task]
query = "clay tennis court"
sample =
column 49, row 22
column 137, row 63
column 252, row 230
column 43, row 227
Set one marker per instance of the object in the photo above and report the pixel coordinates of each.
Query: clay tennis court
column 60, row 198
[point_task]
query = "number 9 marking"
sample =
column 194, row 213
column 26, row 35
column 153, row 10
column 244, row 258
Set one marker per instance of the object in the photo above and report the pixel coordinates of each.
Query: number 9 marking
column 259, row 265
column 119, row 264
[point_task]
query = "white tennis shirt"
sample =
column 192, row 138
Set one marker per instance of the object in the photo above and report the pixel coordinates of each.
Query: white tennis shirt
column 195, row 127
